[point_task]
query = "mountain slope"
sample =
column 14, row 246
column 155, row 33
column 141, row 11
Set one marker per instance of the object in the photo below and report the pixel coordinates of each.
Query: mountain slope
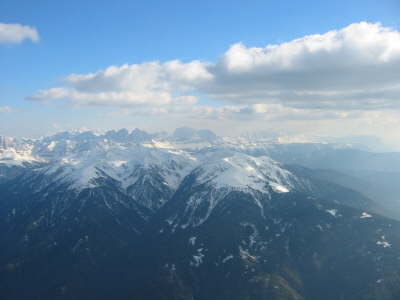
column 127, row 215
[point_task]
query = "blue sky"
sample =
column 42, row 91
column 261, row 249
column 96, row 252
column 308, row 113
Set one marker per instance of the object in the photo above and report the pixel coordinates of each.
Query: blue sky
column 82, row 37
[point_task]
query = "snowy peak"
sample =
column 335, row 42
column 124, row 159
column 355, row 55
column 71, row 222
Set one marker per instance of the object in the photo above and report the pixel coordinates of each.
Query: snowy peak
column 15, row 152
column 138, row 135
column 190, row 134
column 79, row 157
column 124, row 136
column 246, row 172
column 218, row 180
column 120, row 162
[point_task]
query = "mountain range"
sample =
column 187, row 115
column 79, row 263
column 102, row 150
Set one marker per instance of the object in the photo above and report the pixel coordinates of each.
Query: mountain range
column 191, row 215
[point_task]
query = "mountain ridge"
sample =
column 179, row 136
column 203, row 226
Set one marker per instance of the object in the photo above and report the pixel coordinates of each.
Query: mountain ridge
column 186, row 217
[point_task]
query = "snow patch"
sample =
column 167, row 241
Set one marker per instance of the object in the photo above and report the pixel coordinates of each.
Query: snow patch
column 229, row 257
column 365, row 215
column 332, row 212
column 279, row 188
column 198, row 258
column 118, row 163
column 383, row 242
column 192, row 240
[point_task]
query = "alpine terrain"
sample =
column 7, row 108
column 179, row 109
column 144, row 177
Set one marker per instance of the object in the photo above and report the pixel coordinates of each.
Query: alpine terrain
column 191, row 215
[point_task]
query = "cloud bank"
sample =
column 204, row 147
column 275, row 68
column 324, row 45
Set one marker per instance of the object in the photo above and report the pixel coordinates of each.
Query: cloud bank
column 339, row 74
column 16, row 33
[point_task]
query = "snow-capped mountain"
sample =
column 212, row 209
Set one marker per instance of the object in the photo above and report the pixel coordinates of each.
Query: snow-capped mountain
column 144, row 165
column 134, row 215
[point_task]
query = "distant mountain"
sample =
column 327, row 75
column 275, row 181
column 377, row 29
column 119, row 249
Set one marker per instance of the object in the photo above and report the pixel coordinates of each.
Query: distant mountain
column 133, row 215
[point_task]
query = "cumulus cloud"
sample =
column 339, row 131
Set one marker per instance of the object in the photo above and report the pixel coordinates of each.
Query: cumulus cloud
column 16, row 33
column 151, row 83
column 354, row 66
column 334, row 75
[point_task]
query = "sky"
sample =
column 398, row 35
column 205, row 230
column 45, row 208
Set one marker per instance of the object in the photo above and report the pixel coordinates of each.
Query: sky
column 300, row 69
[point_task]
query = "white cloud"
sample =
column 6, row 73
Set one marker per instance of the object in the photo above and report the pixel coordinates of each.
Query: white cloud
column 6, row 109
column 151, row 83
column 336, row 75
column 357, row 65
column 16, row 33
column 241, row 112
